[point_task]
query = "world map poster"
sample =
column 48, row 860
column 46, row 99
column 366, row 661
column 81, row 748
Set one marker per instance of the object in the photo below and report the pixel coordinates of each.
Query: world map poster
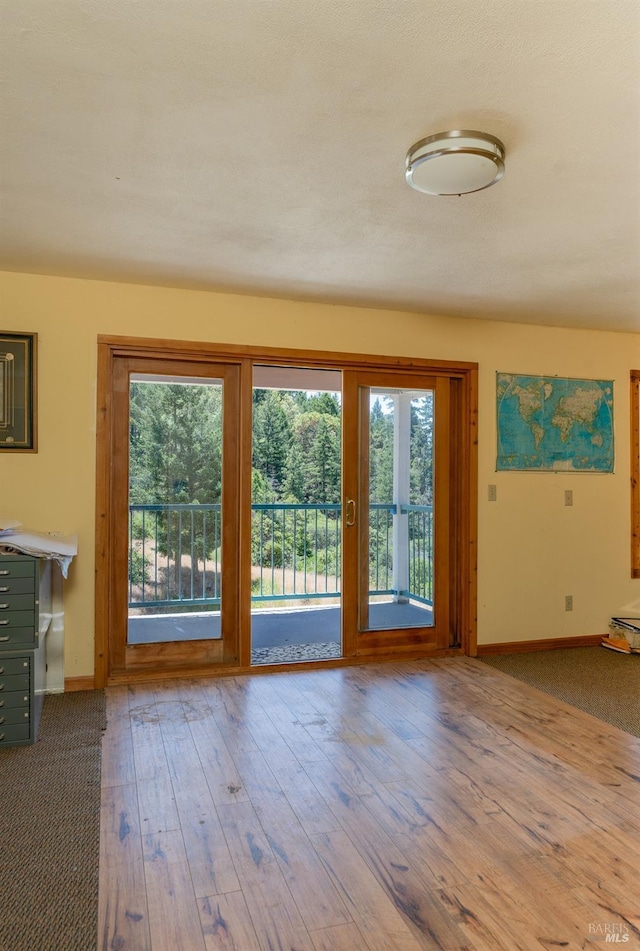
column 554, row 424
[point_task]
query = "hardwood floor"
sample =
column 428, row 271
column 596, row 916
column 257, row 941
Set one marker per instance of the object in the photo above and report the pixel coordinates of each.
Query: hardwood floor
column 427, row 804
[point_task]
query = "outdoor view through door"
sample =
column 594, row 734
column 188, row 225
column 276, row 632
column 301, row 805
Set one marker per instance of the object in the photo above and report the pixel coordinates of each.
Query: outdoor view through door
column 396, row 509
column 175, row 512
column 296, row 559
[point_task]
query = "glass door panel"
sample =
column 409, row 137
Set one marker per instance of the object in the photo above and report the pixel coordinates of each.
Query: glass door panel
column 396, row 504
column 175, row 509
column 174, row 470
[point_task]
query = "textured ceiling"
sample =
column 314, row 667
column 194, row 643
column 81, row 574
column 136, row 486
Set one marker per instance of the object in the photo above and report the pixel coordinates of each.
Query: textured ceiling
column 259, row 145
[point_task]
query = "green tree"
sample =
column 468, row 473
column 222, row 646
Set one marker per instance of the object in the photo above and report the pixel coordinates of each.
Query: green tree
column 421, row 448
column 175, row 443
column 271, row 436
column 328, row 404
column 176, row 457
column 317, row 458
column 381, row 452
column 322, row 467
column 294, row 483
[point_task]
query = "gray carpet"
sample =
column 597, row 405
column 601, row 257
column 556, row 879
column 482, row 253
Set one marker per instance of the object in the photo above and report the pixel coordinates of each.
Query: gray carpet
column 50, row 829
column 594, row 679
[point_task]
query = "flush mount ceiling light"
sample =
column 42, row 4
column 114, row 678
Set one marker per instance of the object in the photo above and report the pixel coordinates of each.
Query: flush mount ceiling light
column 455, row 163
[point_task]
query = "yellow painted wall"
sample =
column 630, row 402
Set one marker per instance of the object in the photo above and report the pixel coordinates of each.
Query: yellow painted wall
column 532, row 549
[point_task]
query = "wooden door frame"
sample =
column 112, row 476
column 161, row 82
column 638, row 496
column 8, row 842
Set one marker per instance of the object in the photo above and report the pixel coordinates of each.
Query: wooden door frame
column 463, row 506
column 223, row 650
column 446, row 632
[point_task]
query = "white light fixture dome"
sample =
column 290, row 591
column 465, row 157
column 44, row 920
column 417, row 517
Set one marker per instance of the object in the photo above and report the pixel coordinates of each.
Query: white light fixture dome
column 455, row 163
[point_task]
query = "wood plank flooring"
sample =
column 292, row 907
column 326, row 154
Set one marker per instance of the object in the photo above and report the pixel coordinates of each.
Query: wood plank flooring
column 390, row 807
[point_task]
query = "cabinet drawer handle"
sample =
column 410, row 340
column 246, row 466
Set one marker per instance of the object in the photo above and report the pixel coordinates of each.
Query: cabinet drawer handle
column 1, row 703
column 4, row 623
column 4, row 572
column 1, row 686
column 4, row 588
column 4, row 605
column 1, row 737
column 6, row 638
column 1, row 719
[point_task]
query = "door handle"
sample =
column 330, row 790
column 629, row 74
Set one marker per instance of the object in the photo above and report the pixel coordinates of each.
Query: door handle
column 350, row 512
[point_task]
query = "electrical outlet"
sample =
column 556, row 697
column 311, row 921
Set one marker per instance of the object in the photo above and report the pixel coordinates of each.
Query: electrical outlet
column 568, row 602
column 568, row 497
column 493, row 493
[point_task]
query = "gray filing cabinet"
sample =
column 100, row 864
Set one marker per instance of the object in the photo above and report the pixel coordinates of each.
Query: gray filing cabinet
column 25, row 615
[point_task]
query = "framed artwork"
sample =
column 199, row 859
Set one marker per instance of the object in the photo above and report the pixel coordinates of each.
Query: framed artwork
column 18, row 392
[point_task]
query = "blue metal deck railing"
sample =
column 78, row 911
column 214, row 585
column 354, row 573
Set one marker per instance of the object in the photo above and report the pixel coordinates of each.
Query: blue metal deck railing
column 420, row 552
column 295, row 551
column 175, row 553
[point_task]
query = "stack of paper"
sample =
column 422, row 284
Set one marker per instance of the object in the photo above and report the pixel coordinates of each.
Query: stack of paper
column 13, row 538
column 8, row 525
column 619, row 644
column 627, row 628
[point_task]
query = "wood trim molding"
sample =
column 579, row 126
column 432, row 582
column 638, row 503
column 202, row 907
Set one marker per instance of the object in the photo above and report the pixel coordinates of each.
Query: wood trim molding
column 448, row 548
column 226, row 353
column 548, row 644
column 122, row 678
column 468, row 465
column 72, row 684
column 102, row 592
column 635, row 473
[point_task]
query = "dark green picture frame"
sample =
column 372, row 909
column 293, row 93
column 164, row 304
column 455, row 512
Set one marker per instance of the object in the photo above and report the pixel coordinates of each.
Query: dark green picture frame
column 18, row 392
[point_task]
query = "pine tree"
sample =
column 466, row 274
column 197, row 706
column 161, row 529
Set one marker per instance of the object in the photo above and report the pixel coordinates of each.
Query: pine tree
column 380, row 453
column 271, row 437
column 176, row 457
column 422, row 431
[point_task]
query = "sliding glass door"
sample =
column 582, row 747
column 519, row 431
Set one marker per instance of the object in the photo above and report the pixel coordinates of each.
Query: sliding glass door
column 272, row 509
column 175, row 508
column 397, row 512
column 396, row 508
column 179, row 505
